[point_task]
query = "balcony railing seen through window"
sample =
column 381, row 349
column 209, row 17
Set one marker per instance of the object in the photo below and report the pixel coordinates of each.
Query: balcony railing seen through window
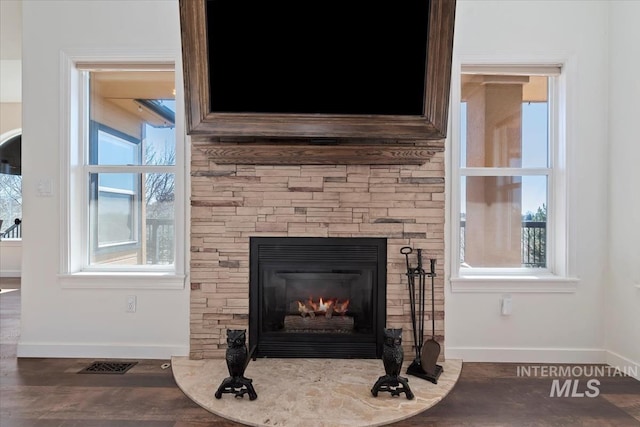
column 533, row 244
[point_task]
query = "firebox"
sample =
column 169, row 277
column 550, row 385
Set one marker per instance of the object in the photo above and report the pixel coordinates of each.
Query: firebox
column 317, row 297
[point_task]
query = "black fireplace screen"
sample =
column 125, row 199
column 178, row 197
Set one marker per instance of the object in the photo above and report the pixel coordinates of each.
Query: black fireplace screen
column 317, row 297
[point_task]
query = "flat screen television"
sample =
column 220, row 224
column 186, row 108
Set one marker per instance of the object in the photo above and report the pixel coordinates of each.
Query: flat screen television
column 317, row 69
column 317, row 57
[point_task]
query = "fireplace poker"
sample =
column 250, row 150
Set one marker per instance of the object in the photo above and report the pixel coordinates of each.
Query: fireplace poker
column 406, row 251
column 421, row 296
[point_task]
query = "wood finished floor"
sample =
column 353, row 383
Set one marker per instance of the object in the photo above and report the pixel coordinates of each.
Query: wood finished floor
column 49, row 392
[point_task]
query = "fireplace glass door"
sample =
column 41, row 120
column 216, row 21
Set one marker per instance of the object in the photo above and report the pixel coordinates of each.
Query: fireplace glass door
column 317, row 297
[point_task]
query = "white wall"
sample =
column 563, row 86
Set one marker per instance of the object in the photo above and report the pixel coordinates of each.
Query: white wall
column 58, row 321
column 622, row 336
column 73, row 322
column 10, row 30
column 546, row 327
column 10, row 258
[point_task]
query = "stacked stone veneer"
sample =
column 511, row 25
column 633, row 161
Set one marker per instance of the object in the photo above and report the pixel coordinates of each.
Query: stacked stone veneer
column 231, row 203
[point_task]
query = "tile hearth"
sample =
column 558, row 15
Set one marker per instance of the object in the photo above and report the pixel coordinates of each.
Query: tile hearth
column 303, row 392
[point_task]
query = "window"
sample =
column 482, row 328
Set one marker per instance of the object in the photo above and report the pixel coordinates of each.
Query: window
column 130, row 167
column 10, row 185
column 124, row 189
column 10, row 206
column 114, row 199
column 509, row 191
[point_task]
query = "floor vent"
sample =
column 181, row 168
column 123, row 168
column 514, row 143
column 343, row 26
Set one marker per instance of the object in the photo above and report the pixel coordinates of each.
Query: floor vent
column 108, row 368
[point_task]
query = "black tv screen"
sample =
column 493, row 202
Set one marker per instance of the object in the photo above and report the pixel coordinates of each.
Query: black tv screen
column 317, row 57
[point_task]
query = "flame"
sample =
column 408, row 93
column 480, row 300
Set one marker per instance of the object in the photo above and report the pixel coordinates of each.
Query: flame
column 330, row 305
column 341, row 307
column 324, row 306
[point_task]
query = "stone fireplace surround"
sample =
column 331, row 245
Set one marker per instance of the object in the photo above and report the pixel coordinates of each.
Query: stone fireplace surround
column 231, row 203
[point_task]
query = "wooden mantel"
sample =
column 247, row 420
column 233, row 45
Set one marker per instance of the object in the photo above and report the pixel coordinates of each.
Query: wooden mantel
column 318, row 152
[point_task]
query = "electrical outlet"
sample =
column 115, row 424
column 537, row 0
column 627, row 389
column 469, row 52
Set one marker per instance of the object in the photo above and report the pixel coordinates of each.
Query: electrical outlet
column 506, row 305
column 131, row 304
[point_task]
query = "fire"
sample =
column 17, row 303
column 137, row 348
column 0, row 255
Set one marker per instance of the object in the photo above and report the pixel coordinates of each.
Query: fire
column 327, row 307
column 324, row 306
column 341, row 307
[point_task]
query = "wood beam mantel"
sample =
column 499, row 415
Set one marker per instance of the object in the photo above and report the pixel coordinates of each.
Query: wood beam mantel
column 297, row 154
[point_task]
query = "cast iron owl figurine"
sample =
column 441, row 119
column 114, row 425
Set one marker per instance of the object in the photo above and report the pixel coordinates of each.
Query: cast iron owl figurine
column 237, row 357
column 237, row 352
column 392, row 352
column 392, row 358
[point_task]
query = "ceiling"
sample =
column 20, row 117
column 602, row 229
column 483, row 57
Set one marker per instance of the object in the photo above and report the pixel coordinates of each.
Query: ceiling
column 534, row 88
column 124, row 88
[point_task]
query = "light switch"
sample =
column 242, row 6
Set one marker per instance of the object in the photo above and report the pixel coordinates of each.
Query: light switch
column 45, row 187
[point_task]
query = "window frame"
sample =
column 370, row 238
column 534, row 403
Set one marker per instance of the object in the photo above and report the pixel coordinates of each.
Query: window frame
column 135, row 218
column 94, row 190
column 74, row 176
column 556, row 277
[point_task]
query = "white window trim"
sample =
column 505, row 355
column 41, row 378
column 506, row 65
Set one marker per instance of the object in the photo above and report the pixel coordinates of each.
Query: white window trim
column 559, row 276
column 73, row 242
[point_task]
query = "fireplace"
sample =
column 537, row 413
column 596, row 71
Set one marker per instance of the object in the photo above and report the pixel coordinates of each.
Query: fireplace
column 317, row 297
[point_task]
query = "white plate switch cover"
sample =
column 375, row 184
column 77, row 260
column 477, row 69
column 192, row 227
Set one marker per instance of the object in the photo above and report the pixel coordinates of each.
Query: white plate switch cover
column 506, row 305
column 45, row 187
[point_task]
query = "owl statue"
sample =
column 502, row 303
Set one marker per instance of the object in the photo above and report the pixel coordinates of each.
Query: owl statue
column 392, row 353
column 237, row 357
column 392, row 357
column 237, row 353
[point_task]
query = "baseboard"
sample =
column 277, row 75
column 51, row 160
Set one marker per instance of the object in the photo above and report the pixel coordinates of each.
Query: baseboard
column 526, row 355
column 621, row 362
column 10, row 273
column 94, row 351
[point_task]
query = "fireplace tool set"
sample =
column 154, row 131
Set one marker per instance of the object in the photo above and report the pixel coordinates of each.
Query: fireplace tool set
column 425, row 363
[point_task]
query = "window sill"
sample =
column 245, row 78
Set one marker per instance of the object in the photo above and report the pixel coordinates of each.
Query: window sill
column 514, row 284
column 122, row 280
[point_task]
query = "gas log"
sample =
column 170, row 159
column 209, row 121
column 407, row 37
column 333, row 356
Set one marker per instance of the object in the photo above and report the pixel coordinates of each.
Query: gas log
column 336, row 324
